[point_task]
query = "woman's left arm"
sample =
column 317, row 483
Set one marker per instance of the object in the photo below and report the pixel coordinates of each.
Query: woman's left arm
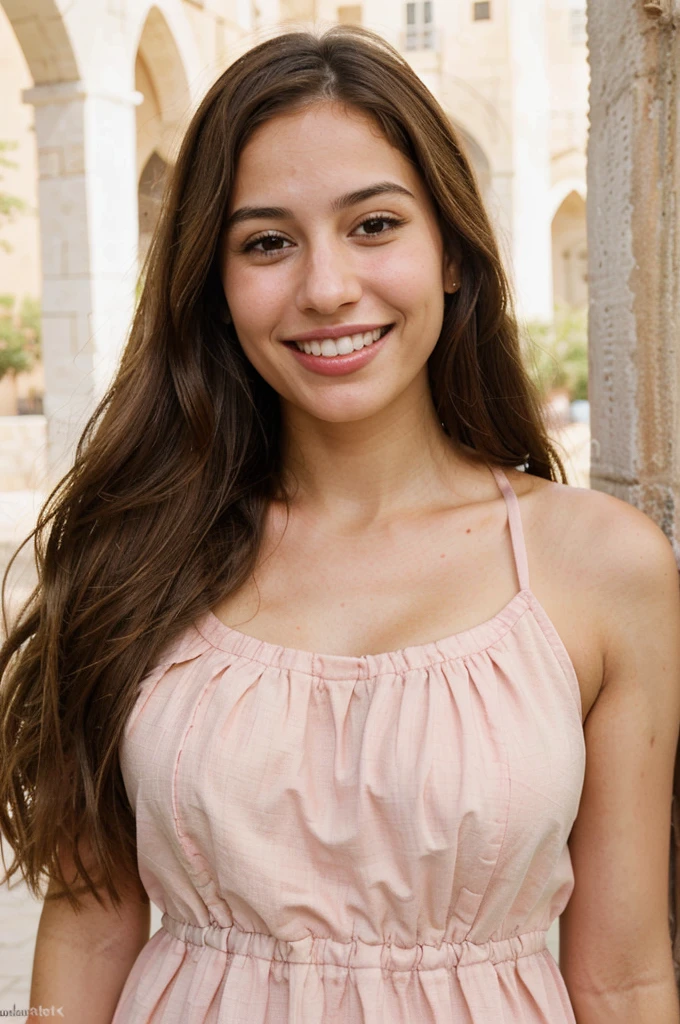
column 615, row 948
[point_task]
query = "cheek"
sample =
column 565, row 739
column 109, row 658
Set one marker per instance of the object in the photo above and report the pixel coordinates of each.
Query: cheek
column 261, row 352
column 254, row 295
column 413, row 283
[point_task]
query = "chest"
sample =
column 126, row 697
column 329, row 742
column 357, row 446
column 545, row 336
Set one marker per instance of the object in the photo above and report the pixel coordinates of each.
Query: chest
column 352, row 595
column 404, row 587
column 395, row 795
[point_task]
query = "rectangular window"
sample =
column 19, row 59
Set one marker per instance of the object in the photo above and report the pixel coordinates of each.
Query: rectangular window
column 481, row 11
column 420, row 31
column 349, row 14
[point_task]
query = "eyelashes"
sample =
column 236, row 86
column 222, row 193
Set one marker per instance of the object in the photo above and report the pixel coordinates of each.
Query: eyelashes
column 393, row 222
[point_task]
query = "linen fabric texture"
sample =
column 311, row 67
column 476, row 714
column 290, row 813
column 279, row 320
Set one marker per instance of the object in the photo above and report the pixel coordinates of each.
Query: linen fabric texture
column 379, row 839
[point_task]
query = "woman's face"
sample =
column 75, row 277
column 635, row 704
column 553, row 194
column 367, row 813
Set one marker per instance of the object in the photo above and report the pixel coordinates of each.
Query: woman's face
column 296, row 260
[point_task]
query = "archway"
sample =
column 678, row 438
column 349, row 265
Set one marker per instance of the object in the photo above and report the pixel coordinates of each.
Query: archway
column 85, row 136
column 479, row 160
column 150, row 194
column 570, row 252
column 40, row 27
column 562, row 188
column 161, row 79
column 41, row 31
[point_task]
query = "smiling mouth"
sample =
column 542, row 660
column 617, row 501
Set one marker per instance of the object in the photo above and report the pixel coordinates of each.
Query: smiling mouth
column 330, row 347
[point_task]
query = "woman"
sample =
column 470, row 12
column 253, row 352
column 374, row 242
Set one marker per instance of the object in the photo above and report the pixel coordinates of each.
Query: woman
column 302, row 479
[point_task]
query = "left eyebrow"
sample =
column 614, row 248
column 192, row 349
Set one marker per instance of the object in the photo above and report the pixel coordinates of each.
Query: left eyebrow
column 381, row 188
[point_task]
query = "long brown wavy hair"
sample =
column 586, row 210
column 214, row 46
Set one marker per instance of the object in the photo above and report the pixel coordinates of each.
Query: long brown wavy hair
column 161, row 514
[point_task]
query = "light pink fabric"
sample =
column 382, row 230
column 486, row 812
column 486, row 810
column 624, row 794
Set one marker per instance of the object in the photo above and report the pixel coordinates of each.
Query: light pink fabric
column 357, row 840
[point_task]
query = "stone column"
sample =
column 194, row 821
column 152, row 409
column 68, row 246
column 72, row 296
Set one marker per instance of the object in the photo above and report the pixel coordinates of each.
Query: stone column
column 530, row 127
column 88, row 232
column 633, row 274
column 634, row 256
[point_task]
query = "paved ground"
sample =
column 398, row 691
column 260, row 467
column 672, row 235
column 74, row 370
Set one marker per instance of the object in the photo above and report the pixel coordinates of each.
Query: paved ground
column 19, row 913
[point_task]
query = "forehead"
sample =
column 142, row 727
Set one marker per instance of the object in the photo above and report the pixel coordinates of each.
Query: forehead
column 324, row 148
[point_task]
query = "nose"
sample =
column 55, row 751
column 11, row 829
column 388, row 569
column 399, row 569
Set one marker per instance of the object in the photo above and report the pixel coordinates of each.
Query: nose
column 328, row 277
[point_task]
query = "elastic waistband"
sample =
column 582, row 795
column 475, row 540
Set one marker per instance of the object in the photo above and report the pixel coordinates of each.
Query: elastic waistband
column 313, row 950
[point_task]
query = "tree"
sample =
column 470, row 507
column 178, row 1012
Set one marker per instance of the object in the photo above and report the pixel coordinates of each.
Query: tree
column 19, row 328
column 19, row 334
column 558, row 352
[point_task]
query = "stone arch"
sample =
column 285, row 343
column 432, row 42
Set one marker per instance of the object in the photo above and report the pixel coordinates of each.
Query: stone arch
column 44, row 38
column 161, row 78
column 561, row 189
column 150, row 194
column 485, row 141
column 87, row 205
column 477, row 157
column 158, row 29
column 570, row 251
column 475, row 114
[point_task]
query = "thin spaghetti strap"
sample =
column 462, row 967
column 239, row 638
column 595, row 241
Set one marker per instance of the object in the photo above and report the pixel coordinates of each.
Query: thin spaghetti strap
column 515, row 522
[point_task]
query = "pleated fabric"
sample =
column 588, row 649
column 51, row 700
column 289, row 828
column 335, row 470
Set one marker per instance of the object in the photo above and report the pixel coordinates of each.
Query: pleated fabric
column 357, row 840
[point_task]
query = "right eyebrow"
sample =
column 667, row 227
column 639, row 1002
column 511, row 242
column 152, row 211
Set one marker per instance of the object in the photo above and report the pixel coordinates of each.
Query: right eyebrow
column 381, row 188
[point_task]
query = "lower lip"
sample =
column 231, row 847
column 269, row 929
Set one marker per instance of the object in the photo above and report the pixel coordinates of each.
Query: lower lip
column 336, row 366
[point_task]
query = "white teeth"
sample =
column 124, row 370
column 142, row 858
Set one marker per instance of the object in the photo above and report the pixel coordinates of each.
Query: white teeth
column 343, row 346
column 340, row 346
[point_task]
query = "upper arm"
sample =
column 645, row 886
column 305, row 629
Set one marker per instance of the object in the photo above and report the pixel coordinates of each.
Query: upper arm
column 82, row 959
column 614, row 930
column 96, row 924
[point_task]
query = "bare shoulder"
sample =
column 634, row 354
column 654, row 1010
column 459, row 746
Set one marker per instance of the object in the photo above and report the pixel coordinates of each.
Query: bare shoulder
column 624, row 563
column 617, row 541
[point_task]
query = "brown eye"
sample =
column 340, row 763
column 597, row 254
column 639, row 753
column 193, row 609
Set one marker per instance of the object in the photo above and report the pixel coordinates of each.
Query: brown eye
column 250, row 246
column 271, row 236
column 393, row 222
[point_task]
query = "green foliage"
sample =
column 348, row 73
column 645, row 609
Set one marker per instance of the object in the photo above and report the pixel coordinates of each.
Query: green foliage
column 557, row 353
column 19, row 334
column 9, row 205
column 19, row 328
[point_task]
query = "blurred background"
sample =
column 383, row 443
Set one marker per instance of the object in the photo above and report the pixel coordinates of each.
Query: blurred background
column 95, row 96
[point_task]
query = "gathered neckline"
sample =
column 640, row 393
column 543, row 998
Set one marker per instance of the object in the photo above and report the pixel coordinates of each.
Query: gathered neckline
column 474, row 640
column 456, row 645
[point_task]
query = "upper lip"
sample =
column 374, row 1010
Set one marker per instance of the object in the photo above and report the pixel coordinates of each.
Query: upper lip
column 341, row 331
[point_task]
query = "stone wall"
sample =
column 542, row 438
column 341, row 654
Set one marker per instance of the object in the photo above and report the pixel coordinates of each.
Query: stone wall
column 634, row 255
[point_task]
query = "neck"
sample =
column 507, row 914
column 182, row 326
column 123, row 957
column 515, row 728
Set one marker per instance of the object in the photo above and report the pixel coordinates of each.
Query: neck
column 370, row 471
